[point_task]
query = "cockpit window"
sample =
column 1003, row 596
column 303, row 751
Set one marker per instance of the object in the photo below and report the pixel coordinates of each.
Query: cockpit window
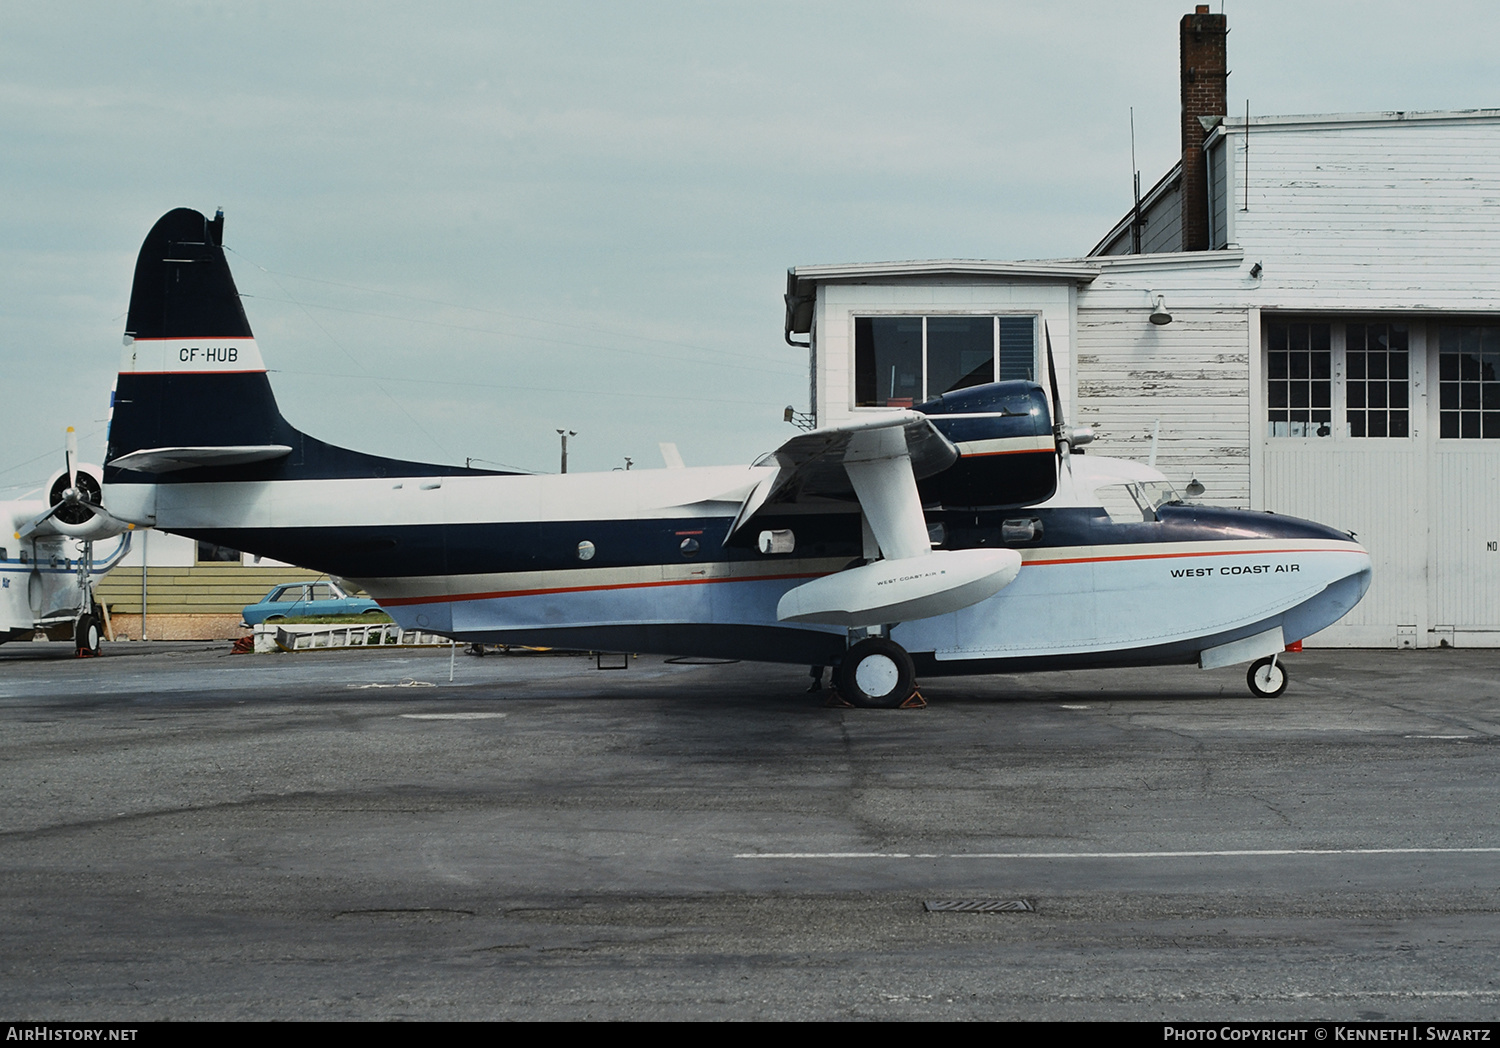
column 1135, row 501
column 1156, row 494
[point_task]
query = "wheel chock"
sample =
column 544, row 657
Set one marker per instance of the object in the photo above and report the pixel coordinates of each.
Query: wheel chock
column 914, row 701
column 836, row 701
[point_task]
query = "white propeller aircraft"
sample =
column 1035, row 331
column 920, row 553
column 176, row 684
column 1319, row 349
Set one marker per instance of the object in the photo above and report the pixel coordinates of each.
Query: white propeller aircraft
column 47, row 564
column 963, row 536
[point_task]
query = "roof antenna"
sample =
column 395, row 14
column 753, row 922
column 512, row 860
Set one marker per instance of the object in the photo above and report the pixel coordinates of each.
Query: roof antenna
column 1135, row 226
column 1246, row 165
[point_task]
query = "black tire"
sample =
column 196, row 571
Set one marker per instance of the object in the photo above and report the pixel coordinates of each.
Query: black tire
column 1267, row 677
column 86, row 634
column 876, row 674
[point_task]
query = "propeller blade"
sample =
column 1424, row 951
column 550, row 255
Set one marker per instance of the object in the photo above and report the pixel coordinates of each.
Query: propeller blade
column 29, row 529
column 72, row 459
column 1059, row 429
column 1052, row 379
column 100, row 513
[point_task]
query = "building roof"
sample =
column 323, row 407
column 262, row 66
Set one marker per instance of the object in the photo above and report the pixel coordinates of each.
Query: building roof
column 802, row 281
column 1311, row 121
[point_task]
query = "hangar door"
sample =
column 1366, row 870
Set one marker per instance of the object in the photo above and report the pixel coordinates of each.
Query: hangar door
column 1390, row 428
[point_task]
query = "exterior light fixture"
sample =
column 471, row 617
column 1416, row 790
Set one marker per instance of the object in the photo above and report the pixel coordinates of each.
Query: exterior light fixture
column 1159, row 314
column 797, row 418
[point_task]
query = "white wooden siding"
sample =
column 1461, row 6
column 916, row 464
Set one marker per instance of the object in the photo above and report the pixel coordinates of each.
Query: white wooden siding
column 1191, row 374
column 1374, row 214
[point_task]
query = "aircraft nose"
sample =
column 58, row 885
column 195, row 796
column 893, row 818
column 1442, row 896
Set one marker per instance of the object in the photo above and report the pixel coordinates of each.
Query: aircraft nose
column 1364, row 570
column 1349, row 580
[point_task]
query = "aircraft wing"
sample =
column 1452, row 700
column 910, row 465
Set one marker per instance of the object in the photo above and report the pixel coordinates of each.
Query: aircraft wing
column 877, row 462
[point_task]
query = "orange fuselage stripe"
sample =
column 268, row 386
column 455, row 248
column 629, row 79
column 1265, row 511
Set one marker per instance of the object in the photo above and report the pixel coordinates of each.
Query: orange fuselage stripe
column 499, row 594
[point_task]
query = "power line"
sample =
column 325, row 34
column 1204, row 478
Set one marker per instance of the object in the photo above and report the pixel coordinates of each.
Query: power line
column 718, row 361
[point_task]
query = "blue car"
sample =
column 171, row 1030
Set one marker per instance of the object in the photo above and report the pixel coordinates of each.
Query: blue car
column 295, row 600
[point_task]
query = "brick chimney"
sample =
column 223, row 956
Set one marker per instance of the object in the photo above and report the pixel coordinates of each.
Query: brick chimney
column 1205, row 75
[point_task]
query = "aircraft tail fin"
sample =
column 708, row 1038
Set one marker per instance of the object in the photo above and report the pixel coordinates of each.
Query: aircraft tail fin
column 193, row 402
column 190, row 374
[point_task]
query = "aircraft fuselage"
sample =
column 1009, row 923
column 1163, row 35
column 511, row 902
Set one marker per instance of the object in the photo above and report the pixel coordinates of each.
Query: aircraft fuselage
column 638, row 561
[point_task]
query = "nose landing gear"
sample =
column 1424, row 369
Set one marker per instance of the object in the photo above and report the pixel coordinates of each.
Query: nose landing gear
column 1267, row 678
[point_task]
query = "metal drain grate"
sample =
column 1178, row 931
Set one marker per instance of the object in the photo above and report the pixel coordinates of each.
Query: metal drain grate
column 979, row 906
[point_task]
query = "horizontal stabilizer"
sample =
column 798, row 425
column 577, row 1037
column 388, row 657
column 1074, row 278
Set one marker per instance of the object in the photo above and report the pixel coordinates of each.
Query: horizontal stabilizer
column 889, row 591
column 169, row 460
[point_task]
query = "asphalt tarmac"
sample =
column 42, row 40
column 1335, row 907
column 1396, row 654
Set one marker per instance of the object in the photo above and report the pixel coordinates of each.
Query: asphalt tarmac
column 189, row 834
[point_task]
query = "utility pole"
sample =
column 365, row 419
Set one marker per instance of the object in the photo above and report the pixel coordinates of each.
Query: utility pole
column 565, row 434
column 144, row 536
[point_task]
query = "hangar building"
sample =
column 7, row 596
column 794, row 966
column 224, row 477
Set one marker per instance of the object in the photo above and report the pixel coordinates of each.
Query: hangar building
column 1306, row 308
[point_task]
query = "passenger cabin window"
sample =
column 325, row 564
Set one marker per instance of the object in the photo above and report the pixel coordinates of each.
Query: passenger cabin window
column 902, row 361
column 1469, row 382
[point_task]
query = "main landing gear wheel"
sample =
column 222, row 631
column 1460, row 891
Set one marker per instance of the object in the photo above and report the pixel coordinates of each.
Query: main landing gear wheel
column 877, row 674
column 1267, row 677
column 86, row 635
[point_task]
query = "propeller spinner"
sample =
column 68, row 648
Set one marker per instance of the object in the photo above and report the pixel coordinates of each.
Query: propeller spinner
column 74, row 498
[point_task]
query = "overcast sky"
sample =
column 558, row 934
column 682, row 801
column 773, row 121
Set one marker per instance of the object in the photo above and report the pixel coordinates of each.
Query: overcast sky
column 460, row 227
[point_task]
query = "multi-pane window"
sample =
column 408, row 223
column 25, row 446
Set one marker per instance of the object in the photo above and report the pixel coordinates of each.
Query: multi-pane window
column 1469, row 381
column 1299, row 379
column 1341, row 378
column 1376, row 382
column 901, row 361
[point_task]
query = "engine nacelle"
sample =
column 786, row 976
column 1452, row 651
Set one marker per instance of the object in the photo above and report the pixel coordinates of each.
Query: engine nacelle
column 75, row 519
column 1007, row 453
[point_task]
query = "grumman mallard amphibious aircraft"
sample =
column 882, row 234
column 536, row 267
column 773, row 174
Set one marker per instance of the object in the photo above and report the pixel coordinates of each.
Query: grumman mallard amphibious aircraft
column 47, row 565
column 958, row 537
